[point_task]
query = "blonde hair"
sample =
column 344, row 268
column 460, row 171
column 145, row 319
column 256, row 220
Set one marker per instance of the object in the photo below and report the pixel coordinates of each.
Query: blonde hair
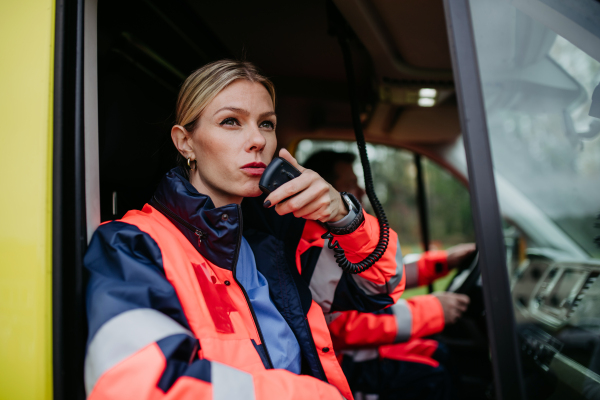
column 204, row 84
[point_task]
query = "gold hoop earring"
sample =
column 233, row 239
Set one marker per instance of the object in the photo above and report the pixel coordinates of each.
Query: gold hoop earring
column 190, row 161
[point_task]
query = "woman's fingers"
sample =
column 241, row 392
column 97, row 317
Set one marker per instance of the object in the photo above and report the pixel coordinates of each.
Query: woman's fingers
column 307, row 209
column 318, row 215
column 283, row 153
column 290, row 189
column 315, row 196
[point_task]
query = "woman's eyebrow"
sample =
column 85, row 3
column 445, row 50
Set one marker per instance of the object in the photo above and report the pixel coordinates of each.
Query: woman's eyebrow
column 244, row 112
column 266, row 114
column 234, row 109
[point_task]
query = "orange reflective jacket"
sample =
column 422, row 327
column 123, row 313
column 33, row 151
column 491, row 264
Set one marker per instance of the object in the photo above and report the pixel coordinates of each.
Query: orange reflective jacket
column 168, row 319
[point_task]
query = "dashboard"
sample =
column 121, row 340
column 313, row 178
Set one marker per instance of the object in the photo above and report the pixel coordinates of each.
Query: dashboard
column 557, row 309
column 556, row 293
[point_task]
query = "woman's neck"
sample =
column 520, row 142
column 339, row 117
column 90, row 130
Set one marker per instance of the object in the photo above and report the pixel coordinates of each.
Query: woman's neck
column 218, row 197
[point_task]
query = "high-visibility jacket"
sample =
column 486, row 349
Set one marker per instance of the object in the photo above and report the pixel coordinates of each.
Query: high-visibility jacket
column 168, row 319
column 416, row 317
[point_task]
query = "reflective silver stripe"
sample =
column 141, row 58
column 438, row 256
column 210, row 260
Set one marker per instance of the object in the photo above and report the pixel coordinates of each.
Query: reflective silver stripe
column 124, row 335
column 411, row 269
column 360, row 355
column 230, row 383
column 325, row 279
column 403, row 321
column 372, row 288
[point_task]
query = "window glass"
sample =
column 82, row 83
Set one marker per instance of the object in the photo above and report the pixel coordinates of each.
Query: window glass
column 450, row 221
column 540, row 72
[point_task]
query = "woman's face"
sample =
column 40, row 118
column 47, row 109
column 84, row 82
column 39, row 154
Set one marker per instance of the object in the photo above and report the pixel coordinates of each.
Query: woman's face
column 233, row 142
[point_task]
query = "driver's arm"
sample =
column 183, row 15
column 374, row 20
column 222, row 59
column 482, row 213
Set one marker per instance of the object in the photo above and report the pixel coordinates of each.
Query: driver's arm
column 423, row 269
column 416, row 317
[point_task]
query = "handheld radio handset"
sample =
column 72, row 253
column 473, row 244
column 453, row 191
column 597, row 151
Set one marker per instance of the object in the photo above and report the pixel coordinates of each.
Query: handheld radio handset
column 278, row 172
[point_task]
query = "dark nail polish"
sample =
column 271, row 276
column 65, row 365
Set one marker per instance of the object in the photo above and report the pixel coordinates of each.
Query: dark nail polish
column 267, row 204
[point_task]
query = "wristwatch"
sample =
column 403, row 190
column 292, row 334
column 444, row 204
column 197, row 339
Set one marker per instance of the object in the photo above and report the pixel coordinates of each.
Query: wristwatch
column 348, row 202
column 350, row 222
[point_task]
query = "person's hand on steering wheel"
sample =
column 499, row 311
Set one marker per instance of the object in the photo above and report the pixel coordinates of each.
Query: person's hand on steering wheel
column 453, row 304
column 459, row 255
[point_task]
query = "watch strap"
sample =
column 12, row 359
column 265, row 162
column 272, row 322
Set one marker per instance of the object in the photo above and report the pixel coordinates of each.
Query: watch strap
column 352, row 225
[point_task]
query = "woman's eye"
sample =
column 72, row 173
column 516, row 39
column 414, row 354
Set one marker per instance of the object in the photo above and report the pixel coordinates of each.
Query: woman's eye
column 229, row 121
column 267, row 124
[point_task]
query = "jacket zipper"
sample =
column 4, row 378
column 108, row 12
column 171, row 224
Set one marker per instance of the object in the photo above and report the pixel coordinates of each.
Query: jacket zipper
column 165, row 210
column 235, row 260
column 314, row 346
column 202, row 235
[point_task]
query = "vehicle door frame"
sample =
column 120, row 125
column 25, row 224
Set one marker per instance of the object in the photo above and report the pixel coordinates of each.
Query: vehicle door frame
column 506, row 363
column 75, row 190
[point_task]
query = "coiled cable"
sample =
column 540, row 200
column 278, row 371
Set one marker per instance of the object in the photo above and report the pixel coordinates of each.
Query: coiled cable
column 384, row 227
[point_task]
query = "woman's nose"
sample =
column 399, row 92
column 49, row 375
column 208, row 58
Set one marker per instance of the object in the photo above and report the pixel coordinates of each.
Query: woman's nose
column 256, row 141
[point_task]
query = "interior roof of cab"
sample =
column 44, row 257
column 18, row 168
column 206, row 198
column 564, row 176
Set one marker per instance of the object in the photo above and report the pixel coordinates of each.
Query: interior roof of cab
column 399, row 48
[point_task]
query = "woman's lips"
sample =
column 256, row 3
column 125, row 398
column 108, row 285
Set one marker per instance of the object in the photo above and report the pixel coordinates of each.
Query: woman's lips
column 254, row 168
column 254, row 171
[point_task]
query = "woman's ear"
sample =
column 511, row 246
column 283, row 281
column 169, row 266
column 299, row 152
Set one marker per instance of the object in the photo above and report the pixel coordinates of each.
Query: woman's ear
column 182, row 140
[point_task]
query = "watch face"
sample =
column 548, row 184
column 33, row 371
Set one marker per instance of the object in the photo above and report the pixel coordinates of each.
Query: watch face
column 349, row 202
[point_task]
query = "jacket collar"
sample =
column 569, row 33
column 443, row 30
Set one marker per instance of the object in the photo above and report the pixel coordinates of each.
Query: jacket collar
column 221, row 227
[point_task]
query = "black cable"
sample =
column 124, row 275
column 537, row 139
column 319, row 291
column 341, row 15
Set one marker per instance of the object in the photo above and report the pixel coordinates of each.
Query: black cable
column 384, row 227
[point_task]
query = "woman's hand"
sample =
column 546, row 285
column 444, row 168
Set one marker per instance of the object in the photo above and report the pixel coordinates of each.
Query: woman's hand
column 313, row 198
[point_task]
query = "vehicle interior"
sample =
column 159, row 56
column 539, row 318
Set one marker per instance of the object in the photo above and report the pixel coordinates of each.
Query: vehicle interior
column 408, row 103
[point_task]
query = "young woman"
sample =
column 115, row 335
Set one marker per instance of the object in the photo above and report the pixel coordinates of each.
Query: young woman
column 188, row 300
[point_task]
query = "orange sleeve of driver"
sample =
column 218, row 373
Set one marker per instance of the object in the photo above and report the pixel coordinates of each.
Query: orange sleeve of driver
column 427, row 315
column 432, row 265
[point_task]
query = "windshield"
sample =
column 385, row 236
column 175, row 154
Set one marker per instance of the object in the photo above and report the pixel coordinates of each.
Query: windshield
column 543, row 107
column 539, row 63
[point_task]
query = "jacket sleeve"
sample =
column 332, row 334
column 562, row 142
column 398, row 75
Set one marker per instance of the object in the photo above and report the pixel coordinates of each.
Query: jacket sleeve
column 140, row 344
column 423, row 269
column 334, row 290
column 416, row 317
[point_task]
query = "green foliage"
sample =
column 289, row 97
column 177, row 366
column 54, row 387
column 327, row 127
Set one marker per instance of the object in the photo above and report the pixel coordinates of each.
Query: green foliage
column 449, row 205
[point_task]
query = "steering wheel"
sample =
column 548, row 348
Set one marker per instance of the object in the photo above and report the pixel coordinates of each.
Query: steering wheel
column 466, row 280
